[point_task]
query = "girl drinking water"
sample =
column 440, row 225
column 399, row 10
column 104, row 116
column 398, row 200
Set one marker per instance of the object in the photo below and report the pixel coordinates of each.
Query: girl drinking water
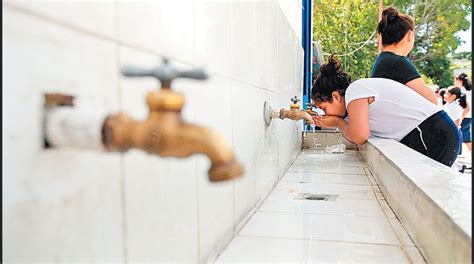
column 379, row 107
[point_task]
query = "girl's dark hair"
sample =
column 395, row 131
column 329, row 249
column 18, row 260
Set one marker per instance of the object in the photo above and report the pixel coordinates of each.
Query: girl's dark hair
column 465, row 81
column 394, row 26
column 441, row 93
column 462, row 97
column 330, row 78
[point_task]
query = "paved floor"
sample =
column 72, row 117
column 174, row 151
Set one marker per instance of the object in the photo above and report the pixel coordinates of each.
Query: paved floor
column 354, row 225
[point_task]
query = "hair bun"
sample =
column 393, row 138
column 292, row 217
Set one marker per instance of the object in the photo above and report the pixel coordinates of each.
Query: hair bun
column 332, row 67
column 389, row 13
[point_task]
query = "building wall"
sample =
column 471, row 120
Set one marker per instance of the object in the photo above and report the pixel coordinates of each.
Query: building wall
column 83, row 205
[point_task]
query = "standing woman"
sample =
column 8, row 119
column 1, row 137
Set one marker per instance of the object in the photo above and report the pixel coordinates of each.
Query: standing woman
column 454, row 107
column 455, row 104
column 398, row 38
column 463, row 82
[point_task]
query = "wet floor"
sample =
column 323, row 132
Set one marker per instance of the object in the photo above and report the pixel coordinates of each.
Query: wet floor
column 355, row 225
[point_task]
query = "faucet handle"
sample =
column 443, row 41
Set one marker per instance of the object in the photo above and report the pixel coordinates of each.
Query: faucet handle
column 165, row 73
column 311, row 105
column 295, row 99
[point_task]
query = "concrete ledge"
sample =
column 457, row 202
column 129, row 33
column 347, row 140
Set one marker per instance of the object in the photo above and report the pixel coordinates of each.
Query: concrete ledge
column 432, row 201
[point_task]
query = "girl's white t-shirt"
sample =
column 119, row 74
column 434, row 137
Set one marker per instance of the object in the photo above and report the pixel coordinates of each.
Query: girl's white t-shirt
column 454, row 110
column 396, row 109
column 469, row 101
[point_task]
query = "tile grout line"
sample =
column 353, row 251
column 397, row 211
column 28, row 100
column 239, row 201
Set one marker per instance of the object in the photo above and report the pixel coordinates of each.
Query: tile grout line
column 397, row 235
column 257, row 207
column 196, row 161
column 322, row 240
column 338, row 183
column 249, row 216
column 122, row 157
column 306, row 213
column 90, row 33
column 339, row 173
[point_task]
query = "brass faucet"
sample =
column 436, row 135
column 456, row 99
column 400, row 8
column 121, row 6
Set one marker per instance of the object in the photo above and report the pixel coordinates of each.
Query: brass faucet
column 309, row 109
column 164, row 132
column 295, row 112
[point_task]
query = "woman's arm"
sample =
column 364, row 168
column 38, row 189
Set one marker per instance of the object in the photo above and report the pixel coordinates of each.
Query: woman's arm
column 465, row 111
column 457, row 122
column 357, row 129
column 419, row 86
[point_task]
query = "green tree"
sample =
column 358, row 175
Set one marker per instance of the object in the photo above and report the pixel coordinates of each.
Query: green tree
column 464, row 55
column 436, row 22
column 438, row 70
column 348, row 27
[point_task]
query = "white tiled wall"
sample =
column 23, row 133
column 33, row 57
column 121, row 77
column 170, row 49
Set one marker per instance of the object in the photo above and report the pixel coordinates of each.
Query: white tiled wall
column 80, row 205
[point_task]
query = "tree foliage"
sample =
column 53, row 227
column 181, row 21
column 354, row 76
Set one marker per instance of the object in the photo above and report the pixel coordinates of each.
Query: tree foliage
column 464, row 55
column 436, row 24
column 348, row 28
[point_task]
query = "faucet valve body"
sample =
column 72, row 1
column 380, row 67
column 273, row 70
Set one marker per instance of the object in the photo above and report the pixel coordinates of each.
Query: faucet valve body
column 163, row 133
column 295, row 113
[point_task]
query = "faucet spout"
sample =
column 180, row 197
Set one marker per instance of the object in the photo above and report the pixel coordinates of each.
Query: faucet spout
column 166, row 134
column 296, row 114
column 211, row 143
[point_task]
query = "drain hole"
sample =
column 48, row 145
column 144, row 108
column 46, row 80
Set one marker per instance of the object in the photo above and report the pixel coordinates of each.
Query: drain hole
column 316, row 197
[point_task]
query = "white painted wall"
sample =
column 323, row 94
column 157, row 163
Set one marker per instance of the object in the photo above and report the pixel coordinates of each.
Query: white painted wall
column 292, row 10
column 80, row 205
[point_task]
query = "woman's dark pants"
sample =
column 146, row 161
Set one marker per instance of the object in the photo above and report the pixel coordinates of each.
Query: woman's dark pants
column 441, row 137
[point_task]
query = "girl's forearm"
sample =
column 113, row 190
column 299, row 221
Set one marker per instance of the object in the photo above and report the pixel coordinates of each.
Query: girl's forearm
column 343, row 126
column 349, row 132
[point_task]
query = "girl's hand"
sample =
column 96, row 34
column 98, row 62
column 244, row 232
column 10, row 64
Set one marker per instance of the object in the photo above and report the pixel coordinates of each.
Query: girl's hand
column 326, row 121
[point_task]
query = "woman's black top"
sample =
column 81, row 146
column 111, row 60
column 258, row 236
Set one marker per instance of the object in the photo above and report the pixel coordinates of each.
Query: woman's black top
column 395, row 67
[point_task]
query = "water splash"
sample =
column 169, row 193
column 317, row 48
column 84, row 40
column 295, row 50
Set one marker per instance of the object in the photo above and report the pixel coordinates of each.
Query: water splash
column 315, row 139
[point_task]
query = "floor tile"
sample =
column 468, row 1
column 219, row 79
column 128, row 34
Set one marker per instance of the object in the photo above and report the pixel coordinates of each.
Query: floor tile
column 414, row 255
column 321, row 227
column 337, row 207
column 337, row 163
column 326, row 168
column 344, row 191
column 271, row 250
column 304, row 177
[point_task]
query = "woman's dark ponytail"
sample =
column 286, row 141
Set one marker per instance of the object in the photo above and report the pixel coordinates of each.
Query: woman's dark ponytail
column 463, row 101
column 465, row 81
column 459, row 95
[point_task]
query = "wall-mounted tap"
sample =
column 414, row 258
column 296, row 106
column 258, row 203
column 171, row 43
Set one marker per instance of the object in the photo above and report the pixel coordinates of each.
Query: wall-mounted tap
column 294, row 113
column 311, row 109
column 164, row 132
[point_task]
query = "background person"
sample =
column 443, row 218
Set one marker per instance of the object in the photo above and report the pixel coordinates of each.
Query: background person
column 398, row 38
column 455, row 104
column 465, row 84
column 440, row 96
column 454, row 107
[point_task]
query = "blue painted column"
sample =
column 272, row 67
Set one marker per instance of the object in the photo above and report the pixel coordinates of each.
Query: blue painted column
column 307, row 47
